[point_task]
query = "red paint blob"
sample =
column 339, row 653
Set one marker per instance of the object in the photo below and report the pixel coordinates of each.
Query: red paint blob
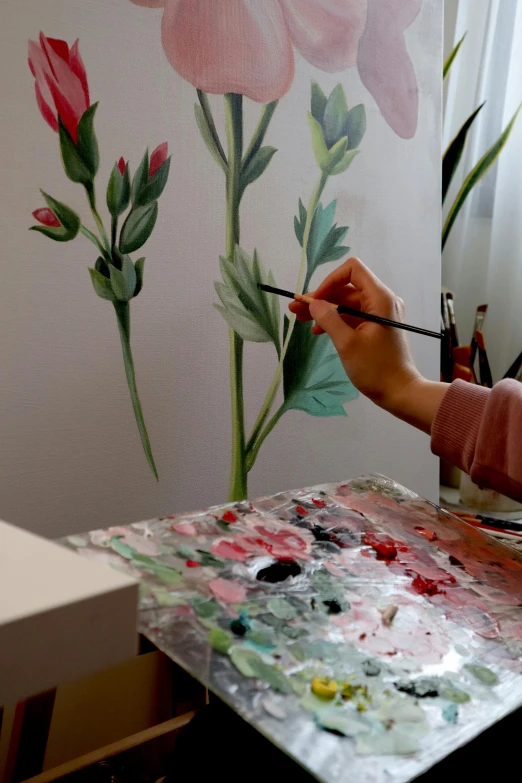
column 425, row 586
column 192, row 564
column 319, row 503
column 301, row 510
column 429, row 535
column 229, row 517
column 384, row 546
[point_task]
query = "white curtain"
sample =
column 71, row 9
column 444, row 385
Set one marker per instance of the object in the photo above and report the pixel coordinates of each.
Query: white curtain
column 482, row 260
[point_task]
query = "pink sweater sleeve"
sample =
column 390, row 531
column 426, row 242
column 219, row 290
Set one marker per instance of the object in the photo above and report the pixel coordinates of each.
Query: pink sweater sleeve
column 480, row 431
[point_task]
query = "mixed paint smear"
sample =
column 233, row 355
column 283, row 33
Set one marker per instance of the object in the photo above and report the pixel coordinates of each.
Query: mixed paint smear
column 360, row 611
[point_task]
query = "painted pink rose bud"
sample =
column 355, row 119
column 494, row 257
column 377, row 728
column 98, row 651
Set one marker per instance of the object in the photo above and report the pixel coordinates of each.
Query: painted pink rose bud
column 158, row 158
column 46, row 217
column 246, row 47
column 60, row 82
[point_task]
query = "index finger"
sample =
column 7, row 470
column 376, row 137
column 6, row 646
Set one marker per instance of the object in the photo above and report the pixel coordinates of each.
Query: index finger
column 352, row 271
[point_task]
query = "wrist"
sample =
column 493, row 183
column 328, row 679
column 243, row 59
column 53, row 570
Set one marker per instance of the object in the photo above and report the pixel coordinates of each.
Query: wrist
column 417, row 402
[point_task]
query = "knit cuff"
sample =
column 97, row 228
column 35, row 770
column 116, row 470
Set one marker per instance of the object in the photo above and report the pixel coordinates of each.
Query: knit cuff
column 455, row 428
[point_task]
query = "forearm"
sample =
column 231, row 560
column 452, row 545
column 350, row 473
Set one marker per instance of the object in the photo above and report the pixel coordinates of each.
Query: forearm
column 417, row 402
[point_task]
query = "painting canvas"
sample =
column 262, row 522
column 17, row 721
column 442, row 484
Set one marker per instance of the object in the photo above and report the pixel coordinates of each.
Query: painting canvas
column 186, row 151
column 356, row 625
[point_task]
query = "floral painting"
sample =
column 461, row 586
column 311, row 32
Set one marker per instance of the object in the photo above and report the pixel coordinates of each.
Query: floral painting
column 246, row 52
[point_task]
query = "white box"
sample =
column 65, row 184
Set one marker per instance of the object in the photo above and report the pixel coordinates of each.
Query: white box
column 61, row 616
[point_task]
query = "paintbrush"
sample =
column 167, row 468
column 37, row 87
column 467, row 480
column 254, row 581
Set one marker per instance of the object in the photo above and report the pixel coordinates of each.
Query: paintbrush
column 453, row 322
column 515, row 368
column 479, row 323
column 446, row 354
column 486, row 379
column 377, row 319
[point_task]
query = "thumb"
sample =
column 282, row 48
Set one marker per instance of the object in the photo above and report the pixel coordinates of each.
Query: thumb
column 327, row 317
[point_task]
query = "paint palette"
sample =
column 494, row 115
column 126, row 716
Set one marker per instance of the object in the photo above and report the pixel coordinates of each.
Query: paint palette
column 347, row 623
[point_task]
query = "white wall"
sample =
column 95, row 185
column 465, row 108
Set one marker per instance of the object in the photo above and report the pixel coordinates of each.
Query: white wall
column 70, row 457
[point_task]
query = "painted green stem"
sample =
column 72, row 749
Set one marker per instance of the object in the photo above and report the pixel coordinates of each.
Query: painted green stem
column 123, row 317
column 234, row 129
column 260, row 131
column 258, row 435
column 114, row 232
column 91, row 196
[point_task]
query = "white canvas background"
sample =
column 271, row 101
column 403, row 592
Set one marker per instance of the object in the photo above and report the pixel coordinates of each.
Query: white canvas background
column 70, row 455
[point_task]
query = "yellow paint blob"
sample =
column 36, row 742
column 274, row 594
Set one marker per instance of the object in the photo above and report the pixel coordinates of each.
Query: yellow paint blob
column 324, row 688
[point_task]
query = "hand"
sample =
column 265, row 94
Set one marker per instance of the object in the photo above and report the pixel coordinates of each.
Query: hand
column 377, row 358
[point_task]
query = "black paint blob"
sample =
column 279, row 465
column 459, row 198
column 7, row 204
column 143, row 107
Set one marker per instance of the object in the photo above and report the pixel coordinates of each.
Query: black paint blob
column 279, row 571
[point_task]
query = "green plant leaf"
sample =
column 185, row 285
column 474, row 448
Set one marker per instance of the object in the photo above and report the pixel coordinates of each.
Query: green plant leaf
column 344, row 163
column 75, row 168
column 451, row 57
column 355, row 126
column 123, row 282
column 151, row 189
column 314, row 379
column 324, row 243
column 70, row 222
column 252, row 313
column 336, row 153
column 118, row 191
column 453, row 154
column 476, row 174
column 257, row 165
column 139, row 267
column 318, row 143
column 87, row 141
column 140, row 177
column 208, row 138
column 318, row 103
column 335, row 115
column 102, row 285
column 138, row 227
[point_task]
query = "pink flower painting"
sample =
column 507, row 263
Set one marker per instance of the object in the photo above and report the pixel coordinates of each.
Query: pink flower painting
column 240, row 46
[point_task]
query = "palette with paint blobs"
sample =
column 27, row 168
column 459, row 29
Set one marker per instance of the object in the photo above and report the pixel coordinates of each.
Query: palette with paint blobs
column 343, row 621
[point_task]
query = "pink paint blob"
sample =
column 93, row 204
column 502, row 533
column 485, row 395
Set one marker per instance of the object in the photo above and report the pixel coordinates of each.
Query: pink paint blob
column 230, row 550
column 228, row 591
column 185, row 528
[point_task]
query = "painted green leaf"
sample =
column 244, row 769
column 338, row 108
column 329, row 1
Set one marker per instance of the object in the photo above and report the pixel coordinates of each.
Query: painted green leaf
column 256, row 166
column 123, row 281
column 344, row 163
column 75, row 168
column 318, row 143
column 336, row 153
column 70, row 222
column 355, row 126
column 140, row 177
column 139, row 267
column 451, row 57
column 252, row 313
column 102, row 267
column 314, row 379
column 325, row 240
column 138, row 227
column 151, row 188
column 318, row 103
column 476, row 174
column 102, row 285
column 453, row 154
column 334, row 117
column 87, row 141
column 118, row 191
column 208, row 138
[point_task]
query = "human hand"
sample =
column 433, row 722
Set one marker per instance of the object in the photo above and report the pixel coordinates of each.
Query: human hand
column 377, row 358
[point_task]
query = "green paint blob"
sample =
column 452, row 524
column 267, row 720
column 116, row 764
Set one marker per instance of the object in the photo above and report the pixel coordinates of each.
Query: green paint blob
column 204, row 608
column 161, row 571
column 482, row 673
column 262, row 638
column 293, row 632
column 243, row 658
column 281, row 608
column 371, row 668
column 186, row 553
column 208, row 559
column 346, row 722
column 455, row 694
column 250, row 664
column 450, row 713
column 220, row 640
column 311, row 703
column 124, row 550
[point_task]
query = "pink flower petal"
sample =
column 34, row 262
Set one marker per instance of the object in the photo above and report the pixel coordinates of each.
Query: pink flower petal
column 158, row 158
column 228, row 591
column 39, row 68
column 384, row 65
column 230, row 46
column 60, row 47
column 66, row 83
column 47, row 113
column 78, row 68
column 326, row 32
